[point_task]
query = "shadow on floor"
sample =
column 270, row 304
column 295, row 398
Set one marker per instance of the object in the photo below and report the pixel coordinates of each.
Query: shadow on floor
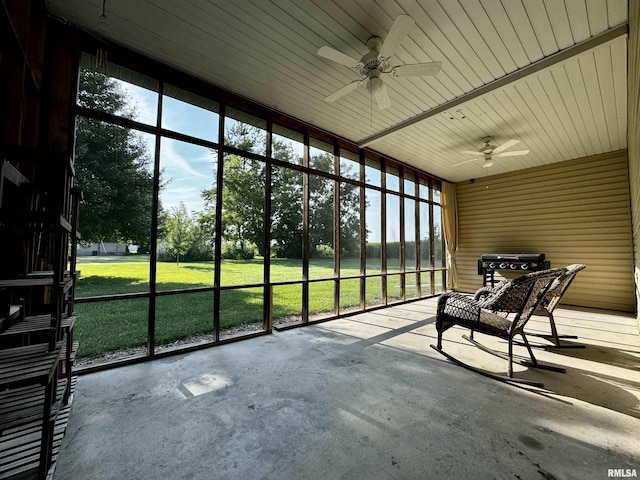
column 597, row 353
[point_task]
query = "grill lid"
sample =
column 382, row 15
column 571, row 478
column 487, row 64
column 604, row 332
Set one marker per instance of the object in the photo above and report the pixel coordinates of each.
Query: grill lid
column 513, row 257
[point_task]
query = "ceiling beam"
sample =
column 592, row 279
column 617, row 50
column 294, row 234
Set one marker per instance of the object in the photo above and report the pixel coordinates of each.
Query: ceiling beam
column 535, row 67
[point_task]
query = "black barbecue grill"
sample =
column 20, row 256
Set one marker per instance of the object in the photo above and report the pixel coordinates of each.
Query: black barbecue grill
column 523, row 262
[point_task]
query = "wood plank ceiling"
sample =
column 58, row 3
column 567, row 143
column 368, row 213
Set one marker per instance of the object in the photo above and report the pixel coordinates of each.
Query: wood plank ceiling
column 503, row 69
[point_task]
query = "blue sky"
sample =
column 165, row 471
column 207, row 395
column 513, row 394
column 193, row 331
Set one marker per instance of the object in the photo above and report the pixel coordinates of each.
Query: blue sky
column 188, row 169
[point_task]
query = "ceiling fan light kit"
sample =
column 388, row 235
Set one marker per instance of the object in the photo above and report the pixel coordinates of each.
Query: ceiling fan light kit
column 375, row 63
column 488, row 162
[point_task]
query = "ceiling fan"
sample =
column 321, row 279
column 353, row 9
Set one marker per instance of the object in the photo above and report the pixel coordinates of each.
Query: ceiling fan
column 375, row 63
column 488, row 151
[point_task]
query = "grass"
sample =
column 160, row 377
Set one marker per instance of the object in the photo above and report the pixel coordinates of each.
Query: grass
column 122, row 324
column 115, row 275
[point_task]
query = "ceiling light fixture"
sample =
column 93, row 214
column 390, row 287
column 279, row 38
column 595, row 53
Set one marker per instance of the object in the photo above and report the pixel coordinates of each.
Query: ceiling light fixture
column 488, row 162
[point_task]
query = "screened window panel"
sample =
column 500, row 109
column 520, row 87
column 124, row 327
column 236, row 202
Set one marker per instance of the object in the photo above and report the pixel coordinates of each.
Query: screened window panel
column 134, row 95
column 185, row 318
column 321, row 302
column 287, row 145
column 241, row 312
column 349, row 164
column 393, row 233
column 350, row 245
column 287, row 304
column 118, row 326
column 372, row 173
column 425, row 236
column 190, row 114
column 438, row 238
column 373, row 219
column 410, row 234
column 321, row 227
column 394, row 288
column 245, row 131
column 286, row 243
column 392, row 179
column 373, row 289
column 321, row 156
column 243, row 207
column 423, row 188
column 349, row 295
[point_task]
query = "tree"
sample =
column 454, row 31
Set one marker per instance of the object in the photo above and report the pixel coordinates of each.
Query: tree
column 243, row 193
column 349, row 220
column 321, row 205
column 286, row 212
column 180, row 229
column 112, row 167
column 243, row 201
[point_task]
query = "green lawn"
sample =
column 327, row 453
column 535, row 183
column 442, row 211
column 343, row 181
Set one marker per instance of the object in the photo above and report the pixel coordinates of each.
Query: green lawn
column 122, row 324
column 130, row 274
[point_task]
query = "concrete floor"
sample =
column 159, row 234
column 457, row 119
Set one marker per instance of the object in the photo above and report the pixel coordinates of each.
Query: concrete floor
column 364, row 398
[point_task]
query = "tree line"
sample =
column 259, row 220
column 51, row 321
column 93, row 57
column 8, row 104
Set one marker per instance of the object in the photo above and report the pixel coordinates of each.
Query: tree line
column 114, row 170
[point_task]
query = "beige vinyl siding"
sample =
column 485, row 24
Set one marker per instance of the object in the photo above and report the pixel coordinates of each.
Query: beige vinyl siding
column 573, row 212
column 633, row 100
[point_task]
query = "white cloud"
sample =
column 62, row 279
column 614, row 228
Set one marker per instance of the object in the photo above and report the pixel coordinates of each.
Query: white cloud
column 178, row 166
column 171, row 197
column 188, row 170
column 144, row 101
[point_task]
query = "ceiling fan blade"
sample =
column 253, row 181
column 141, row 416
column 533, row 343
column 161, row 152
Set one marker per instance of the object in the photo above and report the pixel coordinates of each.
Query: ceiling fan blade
column 382, row 97
column 512, row 153
column 399, row 30
column 466, row 161
column 417, row 69
column 471, row 152
column 505, row 145
column 349, row 87
column 338, row 57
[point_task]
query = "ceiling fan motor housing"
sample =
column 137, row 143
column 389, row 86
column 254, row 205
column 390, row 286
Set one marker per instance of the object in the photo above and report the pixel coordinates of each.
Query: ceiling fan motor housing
column 488, row 148
column 371, row 60
column 374, row 43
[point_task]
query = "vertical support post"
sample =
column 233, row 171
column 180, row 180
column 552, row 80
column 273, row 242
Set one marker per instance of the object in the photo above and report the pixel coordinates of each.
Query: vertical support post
column 418, row 232
column 383, row 229
column 363, row 235
column 432, row 253
column 305, row 230
column 267, row 289
column 153, row 243
column 336, row 229
column 269, row 309
column 217, row 246
column 403, row 249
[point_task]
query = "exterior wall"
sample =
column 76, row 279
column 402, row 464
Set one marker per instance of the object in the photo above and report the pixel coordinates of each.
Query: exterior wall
column 573, row 212
column 633, row 136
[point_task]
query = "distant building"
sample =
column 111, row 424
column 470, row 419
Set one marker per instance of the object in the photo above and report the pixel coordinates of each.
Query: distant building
column 104, row 248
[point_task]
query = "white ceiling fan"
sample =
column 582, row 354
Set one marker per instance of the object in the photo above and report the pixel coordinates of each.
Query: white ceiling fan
column 375, row 63
column 488, row 151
